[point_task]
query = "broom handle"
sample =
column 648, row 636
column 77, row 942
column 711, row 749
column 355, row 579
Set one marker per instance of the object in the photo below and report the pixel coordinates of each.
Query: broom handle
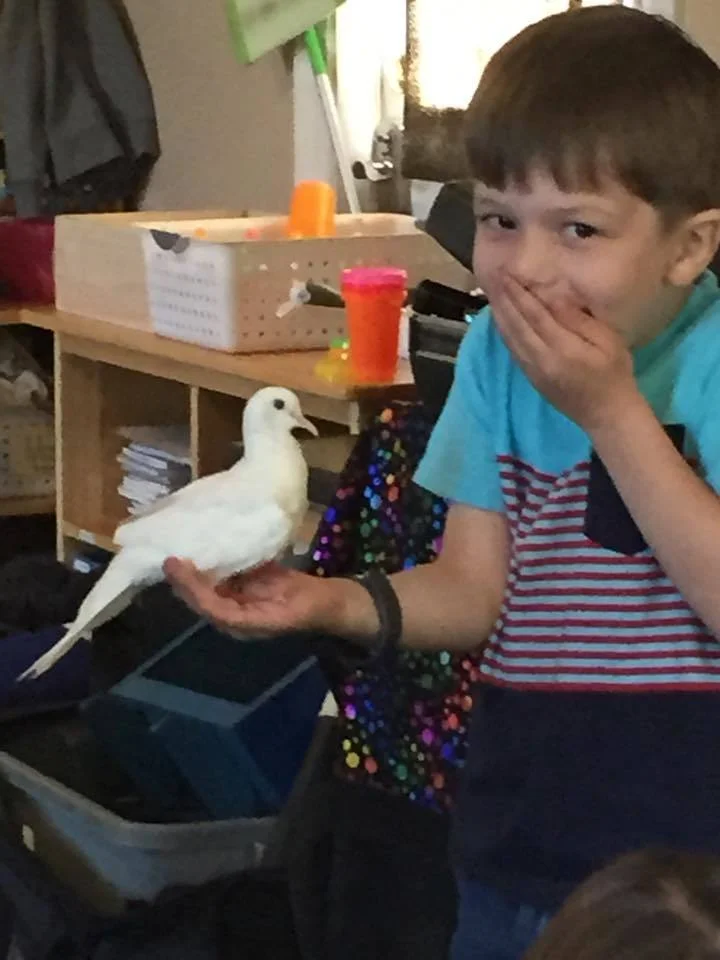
column 319, row 67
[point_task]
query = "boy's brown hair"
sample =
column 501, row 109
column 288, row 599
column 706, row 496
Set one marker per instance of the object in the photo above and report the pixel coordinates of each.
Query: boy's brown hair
column 654, row 905
column 602, row 91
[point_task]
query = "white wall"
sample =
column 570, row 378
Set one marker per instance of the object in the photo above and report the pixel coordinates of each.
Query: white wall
column 226, row 129
column 701, row 18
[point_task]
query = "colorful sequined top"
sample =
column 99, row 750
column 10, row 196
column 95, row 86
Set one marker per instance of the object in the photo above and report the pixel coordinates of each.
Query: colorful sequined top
column 404, row 717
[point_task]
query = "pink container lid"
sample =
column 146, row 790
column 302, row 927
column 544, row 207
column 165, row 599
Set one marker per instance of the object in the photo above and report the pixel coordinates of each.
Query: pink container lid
column 384, row 278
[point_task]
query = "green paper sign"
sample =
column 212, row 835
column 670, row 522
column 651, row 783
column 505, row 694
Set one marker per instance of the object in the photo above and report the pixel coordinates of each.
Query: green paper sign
column 258, row 26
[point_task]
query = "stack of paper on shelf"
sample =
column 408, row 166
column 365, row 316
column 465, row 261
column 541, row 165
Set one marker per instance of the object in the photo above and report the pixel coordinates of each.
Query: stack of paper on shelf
column 155, row 462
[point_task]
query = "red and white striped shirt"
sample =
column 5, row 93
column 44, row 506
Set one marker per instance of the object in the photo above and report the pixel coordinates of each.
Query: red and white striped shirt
column 579, row 616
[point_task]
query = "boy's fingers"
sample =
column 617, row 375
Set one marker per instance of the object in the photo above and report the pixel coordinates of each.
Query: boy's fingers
column 569, row 316
column 581, row 323
column 536, row 314
column 521, row 340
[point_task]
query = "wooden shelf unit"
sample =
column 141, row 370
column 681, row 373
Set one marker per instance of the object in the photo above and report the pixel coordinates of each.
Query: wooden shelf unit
column 108, row 376
column 94, row 400
column 26, row 506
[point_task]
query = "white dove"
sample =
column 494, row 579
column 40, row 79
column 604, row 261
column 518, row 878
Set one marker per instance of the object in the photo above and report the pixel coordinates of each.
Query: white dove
column 225, row 524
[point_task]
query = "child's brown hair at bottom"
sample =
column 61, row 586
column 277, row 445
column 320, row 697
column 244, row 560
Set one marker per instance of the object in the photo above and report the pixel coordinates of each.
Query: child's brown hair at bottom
column 651, row 905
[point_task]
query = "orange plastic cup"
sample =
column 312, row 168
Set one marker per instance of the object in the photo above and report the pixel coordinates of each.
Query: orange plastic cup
column 312, row 210
column 374, row 298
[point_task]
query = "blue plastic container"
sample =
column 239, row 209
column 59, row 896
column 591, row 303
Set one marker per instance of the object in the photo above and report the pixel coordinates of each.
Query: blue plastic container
column 232, row 720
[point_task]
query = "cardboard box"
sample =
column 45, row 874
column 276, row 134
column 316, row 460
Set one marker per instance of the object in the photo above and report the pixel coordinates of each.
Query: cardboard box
column 218, row 281
column 100, row 268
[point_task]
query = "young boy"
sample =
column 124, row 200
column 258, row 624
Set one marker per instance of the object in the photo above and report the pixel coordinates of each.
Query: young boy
column 580, row 449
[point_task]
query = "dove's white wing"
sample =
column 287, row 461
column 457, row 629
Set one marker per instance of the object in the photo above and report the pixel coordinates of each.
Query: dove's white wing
column 186, row 494
column 218, row 540
column 224, row 484
column 234, row 490
column 216, row 535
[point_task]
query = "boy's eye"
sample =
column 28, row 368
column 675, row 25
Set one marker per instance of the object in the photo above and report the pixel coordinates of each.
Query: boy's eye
column 497, row 221
column 581, row 231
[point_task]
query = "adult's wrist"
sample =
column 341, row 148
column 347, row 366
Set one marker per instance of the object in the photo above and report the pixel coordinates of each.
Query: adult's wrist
column 347, row 610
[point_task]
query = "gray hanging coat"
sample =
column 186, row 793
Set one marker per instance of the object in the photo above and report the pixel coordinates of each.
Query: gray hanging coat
column 76, row 107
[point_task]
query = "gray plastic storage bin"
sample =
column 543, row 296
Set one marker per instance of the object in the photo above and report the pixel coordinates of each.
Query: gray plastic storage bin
column 108, row 860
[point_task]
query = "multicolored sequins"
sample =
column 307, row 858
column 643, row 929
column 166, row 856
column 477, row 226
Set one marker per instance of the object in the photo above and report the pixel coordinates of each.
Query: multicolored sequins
column 404, row 717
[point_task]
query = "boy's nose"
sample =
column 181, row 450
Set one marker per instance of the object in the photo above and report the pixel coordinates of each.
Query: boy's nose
column 531, row 260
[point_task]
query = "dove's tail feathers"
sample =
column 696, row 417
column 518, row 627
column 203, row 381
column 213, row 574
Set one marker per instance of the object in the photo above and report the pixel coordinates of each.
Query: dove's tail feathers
column 113, row 592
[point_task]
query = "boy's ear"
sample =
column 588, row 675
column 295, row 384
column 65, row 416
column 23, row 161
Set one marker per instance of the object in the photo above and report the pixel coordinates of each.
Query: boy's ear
column 698, row 241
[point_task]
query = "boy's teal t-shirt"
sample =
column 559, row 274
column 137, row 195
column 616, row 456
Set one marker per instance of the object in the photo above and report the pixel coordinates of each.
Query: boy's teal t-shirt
column 494, row 410
column 596, row 722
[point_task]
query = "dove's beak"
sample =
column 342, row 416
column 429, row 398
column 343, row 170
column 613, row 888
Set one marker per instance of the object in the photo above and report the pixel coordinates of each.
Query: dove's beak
column 302, row 423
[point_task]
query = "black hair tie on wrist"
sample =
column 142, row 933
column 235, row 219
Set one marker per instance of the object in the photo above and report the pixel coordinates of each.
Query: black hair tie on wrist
column 387, row 606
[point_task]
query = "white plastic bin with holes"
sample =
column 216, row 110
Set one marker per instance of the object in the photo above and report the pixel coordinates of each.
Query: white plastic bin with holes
column 220, row 282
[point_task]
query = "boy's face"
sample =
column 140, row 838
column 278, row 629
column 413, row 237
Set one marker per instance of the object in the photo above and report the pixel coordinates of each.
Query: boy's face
column 606, row 252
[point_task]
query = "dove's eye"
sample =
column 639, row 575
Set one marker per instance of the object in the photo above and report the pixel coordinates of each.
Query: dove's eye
column 279, row 404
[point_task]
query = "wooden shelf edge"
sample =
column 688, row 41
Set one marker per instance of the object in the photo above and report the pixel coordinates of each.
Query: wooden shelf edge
column 88, row 537
column 11, row 313
column 27, row 506
column 163, row 357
